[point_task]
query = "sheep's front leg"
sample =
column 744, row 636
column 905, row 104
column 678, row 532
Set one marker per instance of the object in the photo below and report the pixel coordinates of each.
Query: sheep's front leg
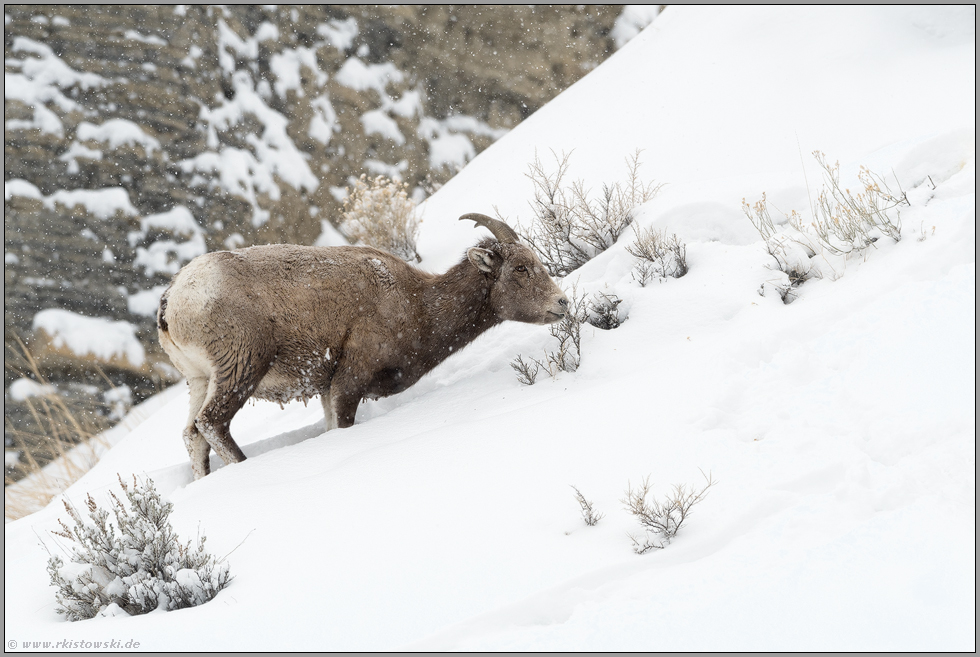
column 329, row 414
column 345, row 395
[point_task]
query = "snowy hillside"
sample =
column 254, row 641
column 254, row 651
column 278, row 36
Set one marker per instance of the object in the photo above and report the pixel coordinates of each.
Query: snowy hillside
column 137, row 138
column 839, row 428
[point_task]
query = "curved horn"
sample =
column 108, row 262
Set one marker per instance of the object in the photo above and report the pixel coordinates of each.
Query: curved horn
column 504, row 233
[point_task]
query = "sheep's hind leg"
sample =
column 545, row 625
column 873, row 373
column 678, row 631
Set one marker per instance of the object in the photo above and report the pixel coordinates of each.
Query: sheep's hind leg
column 197, row 446
column 227, row 393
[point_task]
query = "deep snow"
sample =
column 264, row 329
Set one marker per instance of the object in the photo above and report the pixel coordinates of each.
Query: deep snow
column 840, row 428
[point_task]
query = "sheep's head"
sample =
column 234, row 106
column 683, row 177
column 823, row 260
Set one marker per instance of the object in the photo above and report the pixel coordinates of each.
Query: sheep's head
column 521, row 290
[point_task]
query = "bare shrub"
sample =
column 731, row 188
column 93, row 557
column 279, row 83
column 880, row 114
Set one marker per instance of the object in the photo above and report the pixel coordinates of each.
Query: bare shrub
column 134, row 564
column 843, row 220
column 603, row 311
column 662, row 519
column 527, row 373
column 589, row 514
column 660, row 257
column 570, row 226
column 380, row 213
column 567, row 354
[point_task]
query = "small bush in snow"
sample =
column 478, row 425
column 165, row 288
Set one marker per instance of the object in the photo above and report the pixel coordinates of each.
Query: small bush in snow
column 791, row 249
column 659, row 257
column 589, row 514
column 603, row 311
column 380, row 213
column 843, row 223
column 527, row 373
column 570, row 227
column 662, row 519
column 131, row 561
column 567, row 355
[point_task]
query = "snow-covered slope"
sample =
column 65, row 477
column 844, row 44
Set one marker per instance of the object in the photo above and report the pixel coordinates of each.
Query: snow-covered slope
column 840, row 428
column 210, row 127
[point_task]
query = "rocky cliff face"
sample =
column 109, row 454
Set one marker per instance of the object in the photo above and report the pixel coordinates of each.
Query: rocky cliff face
column 136, row 138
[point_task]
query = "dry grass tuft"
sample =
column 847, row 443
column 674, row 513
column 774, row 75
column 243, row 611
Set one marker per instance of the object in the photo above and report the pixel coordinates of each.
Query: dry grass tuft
column 62, row 442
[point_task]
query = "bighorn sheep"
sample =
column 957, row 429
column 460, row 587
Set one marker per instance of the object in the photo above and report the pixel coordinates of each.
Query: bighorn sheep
column 283, row 322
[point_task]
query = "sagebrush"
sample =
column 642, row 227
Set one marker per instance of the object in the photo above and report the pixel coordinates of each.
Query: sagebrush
column 845, row 221
column 589, row 513
column 527, row 372
column 790, row 248
column 379, row 212
column 603, row 311
column 566, row 356
column 131, row 560
column 659, row 256
column 842, row 223
column 662, row 519
column 570, row 226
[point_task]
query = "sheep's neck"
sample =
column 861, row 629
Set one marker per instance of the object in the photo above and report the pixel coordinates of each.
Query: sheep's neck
column 459, row 310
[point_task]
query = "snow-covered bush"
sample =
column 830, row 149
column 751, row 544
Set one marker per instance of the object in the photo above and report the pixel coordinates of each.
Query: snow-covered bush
column 843, row 223
column 589, row 514
column 790, row 247
column 603, row 311
column 662, row 519
column 380, row 213
column 570, row 227
column 659, row 256
column 134, row 564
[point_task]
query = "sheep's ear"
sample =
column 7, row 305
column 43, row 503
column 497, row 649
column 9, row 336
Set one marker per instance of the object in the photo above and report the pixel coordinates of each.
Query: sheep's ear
column 481, row 259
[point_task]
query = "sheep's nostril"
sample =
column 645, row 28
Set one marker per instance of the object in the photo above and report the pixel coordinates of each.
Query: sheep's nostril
column 563, row 302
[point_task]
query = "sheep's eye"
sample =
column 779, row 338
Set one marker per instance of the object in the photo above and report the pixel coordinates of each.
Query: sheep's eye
column 520, row 268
